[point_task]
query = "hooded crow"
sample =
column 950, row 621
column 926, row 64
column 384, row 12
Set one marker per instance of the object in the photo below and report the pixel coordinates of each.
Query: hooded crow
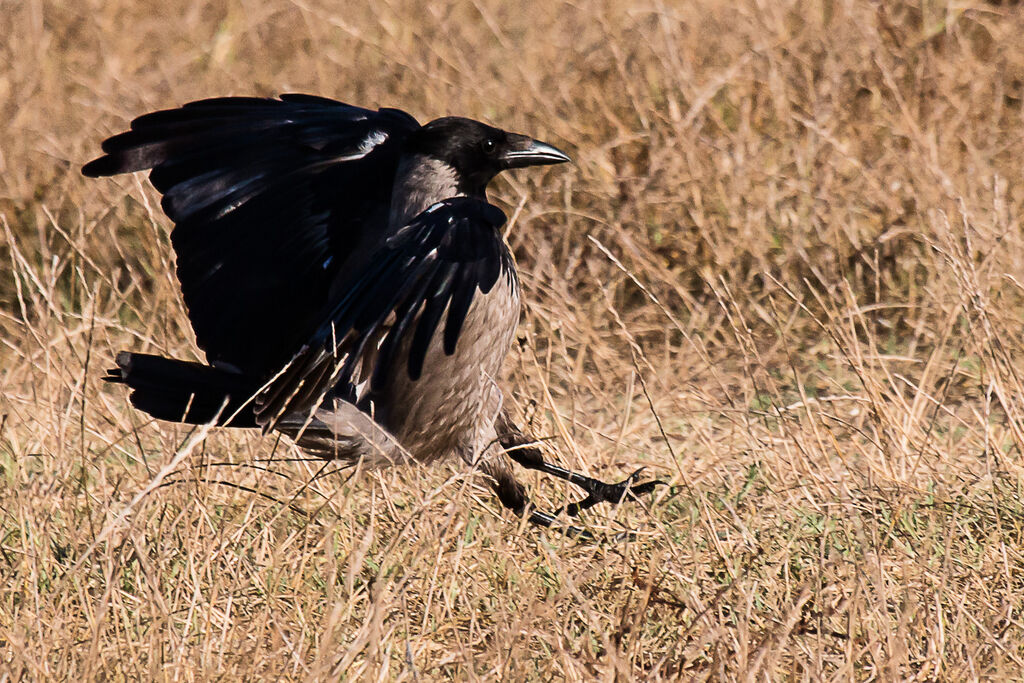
column 347, row 279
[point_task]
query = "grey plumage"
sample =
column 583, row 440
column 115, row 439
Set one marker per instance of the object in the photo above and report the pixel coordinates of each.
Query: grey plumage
column 420, row 182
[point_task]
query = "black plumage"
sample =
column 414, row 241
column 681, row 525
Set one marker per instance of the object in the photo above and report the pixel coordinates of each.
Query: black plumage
column 265, row 203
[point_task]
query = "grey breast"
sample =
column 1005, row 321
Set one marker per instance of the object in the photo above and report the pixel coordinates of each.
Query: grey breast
column 440, row 413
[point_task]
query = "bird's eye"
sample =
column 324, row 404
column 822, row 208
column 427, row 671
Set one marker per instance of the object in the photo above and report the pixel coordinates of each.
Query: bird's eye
column 489, row 145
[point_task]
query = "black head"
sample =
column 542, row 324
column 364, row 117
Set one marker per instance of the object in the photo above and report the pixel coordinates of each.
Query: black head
column 478, row 152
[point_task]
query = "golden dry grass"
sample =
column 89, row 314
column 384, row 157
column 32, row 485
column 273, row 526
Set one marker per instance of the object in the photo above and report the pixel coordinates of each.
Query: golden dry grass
column 786, row 272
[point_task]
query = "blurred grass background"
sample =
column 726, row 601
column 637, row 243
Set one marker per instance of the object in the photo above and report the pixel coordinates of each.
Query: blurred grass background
column 786, row 272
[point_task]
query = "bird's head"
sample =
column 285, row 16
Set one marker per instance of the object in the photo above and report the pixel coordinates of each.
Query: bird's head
column 477, row 152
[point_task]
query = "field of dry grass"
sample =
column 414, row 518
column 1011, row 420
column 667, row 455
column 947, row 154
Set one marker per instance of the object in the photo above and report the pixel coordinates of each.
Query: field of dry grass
column 786, row 273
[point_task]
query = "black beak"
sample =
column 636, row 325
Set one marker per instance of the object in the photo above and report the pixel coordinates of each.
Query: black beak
column 526, row 151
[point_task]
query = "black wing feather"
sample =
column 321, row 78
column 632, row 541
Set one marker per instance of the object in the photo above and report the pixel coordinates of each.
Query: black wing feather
column 434, row 305
column 269, row 197
column 434, row 264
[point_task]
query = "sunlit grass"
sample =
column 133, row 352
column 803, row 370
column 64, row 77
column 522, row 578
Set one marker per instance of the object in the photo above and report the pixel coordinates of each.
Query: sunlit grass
column 784, row 274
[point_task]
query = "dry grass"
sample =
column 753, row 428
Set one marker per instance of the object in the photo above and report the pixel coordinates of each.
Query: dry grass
column 786, row 272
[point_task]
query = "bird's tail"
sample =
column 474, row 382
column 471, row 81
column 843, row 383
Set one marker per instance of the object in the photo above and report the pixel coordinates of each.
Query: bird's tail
column 182, row 391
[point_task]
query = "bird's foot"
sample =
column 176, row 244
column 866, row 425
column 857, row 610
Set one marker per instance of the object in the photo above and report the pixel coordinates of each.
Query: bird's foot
column 597, row 492
column 602, row 492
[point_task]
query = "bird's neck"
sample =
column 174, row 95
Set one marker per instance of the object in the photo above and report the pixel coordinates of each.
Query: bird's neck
column 420, row 181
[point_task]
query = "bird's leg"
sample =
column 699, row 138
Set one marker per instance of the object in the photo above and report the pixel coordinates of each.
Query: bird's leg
column 513, row 496
column 523, row 451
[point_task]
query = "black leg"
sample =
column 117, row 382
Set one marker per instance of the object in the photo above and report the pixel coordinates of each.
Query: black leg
column 513, row 496
column 547, row 520
column 523, row 451
column 597, row 490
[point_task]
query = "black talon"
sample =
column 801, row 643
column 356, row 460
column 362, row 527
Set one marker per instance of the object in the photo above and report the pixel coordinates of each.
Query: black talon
column 600, row 492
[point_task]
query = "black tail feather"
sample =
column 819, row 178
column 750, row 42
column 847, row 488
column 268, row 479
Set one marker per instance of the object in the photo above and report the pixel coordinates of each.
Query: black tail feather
column 183, row 391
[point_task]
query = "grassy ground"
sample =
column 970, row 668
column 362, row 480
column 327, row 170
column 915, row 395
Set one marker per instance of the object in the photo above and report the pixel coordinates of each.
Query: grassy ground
column 786, row 273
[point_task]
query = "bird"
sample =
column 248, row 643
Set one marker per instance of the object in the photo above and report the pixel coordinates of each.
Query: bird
column 347, row 278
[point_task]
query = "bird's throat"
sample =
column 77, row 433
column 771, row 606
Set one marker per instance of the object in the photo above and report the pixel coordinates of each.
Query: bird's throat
column 420, row 182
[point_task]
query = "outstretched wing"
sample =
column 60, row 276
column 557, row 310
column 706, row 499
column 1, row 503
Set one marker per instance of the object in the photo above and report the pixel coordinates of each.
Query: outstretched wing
column 421, row 283
column 269, row 197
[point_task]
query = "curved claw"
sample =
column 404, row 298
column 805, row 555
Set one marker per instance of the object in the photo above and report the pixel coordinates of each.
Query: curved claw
column 600, row 492
column 646, row 487
column 618, row 492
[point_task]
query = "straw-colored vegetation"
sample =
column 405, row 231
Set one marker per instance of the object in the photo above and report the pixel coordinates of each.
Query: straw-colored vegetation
column 786, row 273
